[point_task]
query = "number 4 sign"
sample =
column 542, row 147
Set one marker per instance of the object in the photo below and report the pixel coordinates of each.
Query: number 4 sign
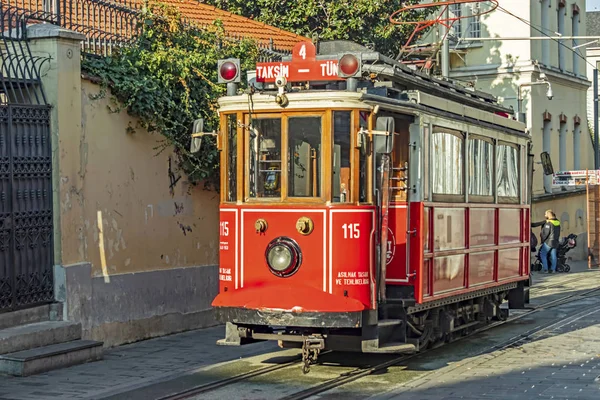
column 306, row 51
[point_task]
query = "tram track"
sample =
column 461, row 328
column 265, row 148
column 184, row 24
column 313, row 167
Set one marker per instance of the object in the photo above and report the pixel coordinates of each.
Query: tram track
column 359, row 373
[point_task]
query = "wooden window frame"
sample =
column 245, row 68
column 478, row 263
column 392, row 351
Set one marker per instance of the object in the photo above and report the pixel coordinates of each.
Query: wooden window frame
column 326, row 158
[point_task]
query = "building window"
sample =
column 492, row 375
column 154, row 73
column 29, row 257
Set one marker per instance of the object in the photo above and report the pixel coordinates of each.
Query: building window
column 456, row 12
column 481, row 168
column 507, row 171
column 562, row 147
column 547, row 147
column 561, row 31
column 576, row 144
column 545, row 4
column 576, row 52
column 475, row 22
column 447, row 163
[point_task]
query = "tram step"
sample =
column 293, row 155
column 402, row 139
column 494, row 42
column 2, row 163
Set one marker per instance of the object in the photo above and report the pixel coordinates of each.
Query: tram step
column 396, row 348
column 47, row 358
column 29, row 336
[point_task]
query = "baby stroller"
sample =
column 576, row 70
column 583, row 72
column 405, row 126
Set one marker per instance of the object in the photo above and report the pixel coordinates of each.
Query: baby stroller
column 564, row 246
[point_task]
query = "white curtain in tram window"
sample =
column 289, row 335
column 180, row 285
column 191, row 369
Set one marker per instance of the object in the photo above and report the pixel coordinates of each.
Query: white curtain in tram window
column 507, row 167
column 480, row 168
column 447, row 156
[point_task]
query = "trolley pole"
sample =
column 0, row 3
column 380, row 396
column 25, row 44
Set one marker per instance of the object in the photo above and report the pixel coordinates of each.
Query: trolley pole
column 446, row 47
column 596, row 147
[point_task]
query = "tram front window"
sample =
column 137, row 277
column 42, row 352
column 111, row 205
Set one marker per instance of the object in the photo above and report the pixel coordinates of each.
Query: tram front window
column 265, row 158
column 304, row 156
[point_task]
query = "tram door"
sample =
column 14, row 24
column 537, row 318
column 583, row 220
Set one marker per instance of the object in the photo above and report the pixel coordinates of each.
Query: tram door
column 398, row 209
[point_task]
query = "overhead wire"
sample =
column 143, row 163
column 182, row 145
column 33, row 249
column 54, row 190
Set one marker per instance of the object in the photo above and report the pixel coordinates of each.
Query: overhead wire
column 559, row 41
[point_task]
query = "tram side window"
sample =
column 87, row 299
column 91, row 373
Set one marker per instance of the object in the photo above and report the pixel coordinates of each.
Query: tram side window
column 304, row 152
column 481, row 170
column 265, row 159
column 447, row 161
column 341, row 156
column 507, row 172
column 231, row 158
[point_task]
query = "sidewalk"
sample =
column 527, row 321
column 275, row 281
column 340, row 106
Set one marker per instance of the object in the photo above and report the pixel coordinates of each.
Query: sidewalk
column 130, row 366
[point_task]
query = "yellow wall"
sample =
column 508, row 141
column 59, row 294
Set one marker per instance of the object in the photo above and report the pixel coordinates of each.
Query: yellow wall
column 130, row 218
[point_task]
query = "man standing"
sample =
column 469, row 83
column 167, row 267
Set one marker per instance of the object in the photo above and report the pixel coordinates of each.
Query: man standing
column 549, row 237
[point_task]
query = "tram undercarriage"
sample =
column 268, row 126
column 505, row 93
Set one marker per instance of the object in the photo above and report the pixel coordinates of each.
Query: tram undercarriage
column 401, row 326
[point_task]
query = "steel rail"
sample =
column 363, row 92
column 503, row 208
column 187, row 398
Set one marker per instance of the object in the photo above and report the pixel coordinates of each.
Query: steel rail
column 196, row 390
column 362, row 372
column 358, row 374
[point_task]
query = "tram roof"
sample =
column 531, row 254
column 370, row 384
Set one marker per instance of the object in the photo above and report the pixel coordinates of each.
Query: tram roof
column 405, row 78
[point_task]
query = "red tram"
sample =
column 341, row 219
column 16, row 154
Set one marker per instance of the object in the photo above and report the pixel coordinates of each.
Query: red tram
column 365, row 206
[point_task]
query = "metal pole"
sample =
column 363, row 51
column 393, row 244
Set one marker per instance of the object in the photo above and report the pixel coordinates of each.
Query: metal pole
column 446, row 46
column 596, row 154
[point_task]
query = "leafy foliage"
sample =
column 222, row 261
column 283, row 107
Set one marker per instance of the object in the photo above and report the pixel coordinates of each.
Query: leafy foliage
column 362, row 21
column 166, row 78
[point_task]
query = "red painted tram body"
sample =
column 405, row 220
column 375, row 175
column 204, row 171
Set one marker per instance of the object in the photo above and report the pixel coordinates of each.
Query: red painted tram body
column 367, row 207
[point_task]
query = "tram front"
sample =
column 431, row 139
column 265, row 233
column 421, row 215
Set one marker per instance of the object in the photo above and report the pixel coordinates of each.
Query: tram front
column 297, row 230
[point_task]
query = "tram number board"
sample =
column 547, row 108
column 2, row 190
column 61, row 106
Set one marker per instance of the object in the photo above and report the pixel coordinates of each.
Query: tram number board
column 303, row 67
column 576, row 178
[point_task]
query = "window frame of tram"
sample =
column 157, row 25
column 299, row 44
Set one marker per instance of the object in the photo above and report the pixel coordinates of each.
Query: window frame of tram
column 506, row 187
column 279, row 140
column 239, row 141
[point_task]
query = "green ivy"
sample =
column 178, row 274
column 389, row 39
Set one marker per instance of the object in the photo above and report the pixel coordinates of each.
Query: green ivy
column 166, row 79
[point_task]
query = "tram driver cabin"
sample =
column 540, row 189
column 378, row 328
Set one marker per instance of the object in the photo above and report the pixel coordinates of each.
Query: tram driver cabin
column 376, row 210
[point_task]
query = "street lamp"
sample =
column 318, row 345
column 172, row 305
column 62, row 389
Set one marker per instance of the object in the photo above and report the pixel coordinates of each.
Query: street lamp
column 542, row 80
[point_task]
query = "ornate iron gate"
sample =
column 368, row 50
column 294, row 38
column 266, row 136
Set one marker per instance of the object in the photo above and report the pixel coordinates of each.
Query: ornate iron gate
column 26, row 234
column 26, row 247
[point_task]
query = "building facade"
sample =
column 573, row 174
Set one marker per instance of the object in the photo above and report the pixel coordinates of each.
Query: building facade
column 544, row 81
column 592, row 51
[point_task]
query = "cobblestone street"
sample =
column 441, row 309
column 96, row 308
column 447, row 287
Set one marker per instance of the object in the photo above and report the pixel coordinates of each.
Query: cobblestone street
column 557, row 358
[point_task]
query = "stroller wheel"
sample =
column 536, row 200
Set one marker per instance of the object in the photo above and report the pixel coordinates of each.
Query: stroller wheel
column 567, row 267
column 560, row 268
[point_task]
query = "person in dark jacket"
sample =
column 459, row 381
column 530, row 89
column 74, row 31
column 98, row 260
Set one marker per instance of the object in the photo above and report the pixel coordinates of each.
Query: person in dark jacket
column 549, row 238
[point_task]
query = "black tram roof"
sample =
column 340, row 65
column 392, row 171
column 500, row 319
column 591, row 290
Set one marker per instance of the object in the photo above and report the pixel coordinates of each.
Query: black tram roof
column 405, row 78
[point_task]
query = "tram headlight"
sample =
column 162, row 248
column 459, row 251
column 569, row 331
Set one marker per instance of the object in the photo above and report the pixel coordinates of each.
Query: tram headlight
column 283, row 256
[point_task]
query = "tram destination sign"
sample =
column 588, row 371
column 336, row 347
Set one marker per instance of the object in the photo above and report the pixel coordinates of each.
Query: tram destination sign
column 576, row 178
column 303, row 67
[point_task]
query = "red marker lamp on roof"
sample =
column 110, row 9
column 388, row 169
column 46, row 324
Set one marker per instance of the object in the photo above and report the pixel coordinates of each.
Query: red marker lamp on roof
column 349, row 65
column 229, row 70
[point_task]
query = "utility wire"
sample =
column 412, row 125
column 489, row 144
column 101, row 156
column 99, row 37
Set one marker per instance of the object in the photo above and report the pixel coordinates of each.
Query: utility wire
column 545, row 34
